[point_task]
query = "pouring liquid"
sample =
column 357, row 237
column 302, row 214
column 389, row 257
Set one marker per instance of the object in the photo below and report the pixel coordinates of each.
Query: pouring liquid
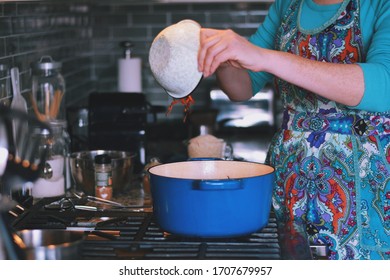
column 186, row 101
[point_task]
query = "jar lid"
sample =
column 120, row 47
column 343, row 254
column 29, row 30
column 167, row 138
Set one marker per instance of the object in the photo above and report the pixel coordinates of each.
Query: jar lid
column 46, row 63
column 102, row 159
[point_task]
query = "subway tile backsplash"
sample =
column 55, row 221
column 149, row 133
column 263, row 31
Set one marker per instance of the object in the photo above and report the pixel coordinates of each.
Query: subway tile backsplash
column 85, row 36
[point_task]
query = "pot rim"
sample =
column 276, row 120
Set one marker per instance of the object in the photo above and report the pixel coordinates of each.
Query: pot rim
column 154, row 170
column 75, row 238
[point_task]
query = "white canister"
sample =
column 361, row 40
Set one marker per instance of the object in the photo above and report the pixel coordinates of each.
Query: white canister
column 209, row 146
column 53, row 181
column 48, row 188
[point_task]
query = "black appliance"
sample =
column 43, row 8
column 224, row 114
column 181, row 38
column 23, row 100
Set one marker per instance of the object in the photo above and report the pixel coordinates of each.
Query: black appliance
column 117, row 121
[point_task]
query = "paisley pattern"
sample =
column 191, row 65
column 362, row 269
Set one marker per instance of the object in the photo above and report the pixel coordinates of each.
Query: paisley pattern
column 332, row 162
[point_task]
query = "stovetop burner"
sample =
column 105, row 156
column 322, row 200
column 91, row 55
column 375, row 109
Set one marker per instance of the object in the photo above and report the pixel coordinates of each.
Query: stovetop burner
column 136, row 235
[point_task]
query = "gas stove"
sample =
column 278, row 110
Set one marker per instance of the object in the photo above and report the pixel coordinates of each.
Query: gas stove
column 135, row 234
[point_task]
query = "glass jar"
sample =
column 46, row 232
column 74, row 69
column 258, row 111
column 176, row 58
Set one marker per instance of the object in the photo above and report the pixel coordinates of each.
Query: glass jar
column 54, row 179
column 48, row 90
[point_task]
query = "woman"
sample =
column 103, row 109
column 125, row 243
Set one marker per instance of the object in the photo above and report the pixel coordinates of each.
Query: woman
column 331, row 64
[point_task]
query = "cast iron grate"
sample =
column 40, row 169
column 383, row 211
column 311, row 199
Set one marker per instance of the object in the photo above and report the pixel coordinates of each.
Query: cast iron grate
column 139, row 237
column 136, row 235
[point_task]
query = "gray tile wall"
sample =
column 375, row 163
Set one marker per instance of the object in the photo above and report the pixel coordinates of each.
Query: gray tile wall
column 29, row 30
column 85, row 36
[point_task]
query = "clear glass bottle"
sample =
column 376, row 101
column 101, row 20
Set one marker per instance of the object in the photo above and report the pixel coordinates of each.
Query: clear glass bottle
column 54, row 179
column 103, row 177
column 48, row 90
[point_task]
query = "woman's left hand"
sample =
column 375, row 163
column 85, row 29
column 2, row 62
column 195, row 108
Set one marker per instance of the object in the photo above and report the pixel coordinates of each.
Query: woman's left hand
column 218, row 47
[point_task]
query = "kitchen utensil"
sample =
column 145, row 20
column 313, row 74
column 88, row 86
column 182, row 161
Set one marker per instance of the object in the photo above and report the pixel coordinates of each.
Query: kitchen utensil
column 67, row 203
column 83, row 172
column 211, row 198
column 20, row 166
column 49, row 244
column 18, row 103
column 173, row 58
column 26, row 160
column 47, row 89
column 81, row 195
column 75, row 203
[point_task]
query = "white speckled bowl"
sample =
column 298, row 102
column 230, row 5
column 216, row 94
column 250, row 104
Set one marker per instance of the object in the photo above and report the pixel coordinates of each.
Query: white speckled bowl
column 173, row 58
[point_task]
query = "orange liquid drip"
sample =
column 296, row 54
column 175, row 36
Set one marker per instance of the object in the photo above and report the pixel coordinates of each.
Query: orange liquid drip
column 186, row 101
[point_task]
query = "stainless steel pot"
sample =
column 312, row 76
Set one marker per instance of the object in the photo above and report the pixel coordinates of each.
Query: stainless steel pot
column 48, row 244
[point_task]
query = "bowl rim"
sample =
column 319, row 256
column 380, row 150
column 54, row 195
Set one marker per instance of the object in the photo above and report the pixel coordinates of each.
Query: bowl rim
column 79, row 154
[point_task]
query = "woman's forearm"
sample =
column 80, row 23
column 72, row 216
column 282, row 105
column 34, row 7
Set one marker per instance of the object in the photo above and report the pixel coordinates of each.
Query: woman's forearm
column 234, row 82
column 343, row 83
column 223, row 50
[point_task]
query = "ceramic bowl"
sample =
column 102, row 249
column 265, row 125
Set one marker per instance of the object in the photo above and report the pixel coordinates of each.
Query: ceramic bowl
column 173, row 58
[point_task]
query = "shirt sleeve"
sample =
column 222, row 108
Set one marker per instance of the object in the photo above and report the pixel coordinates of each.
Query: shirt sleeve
column 265, row 38
column 376, row 68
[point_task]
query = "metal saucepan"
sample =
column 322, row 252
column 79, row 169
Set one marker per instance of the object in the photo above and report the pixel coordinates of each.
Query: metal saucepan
column 212, row 198
column 49, row 244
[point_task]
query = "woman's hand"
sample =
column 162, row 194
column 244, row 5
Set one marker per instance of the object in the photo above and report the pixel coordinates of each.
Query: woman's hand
column 218, row 47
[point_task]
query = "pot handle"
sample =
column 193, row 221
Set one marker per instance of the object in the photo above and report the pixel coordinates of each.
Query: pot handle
column 204, row 158
column 212, row 185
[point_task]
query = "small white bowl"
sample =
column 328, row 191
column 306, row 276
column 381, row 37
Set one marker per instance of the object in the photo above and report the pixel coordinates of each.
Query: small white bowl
column 173, row 58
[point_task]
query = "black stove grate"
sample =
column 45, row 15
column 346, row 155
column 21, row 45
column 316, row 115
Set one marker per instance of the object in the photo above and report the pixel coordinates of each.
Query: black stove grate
column 136, row 235
column 139, row 237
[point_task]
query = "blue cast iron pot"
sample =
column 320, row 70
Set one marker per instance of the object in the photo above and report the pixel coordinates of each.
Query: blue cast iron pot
column 212, row 198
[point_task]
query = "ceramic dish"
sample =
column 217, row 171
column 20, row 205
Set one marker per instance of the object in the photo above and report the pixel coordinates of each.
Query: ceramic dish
column 173, row 58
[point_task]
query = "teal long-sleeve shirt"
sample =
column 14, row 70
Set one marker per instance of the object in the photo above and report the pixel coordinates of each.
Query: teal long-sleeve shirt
column 375, row 25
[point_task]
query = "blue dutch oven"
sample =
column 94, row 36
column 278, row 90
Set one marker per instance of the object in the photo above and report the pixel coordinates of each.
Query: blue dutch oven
column 212, row 198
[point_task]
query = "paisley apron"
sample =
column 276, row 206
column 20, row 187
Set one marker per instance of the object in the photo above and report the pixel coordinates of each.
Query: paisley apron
column 332, row 162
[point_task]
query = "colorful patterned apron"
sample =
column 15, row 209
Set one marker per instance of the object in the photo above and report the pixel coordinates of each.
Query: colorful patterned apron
column 332, row 162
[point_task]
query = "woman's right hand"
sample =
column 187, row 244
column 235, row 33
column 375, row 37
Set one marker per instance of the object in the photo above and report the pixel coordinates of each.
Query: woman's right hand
column 219, row 47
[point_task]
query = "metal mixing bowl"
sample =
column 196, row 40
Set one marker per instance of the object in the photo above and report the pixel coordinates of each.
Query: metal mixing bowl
column 83, row 172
